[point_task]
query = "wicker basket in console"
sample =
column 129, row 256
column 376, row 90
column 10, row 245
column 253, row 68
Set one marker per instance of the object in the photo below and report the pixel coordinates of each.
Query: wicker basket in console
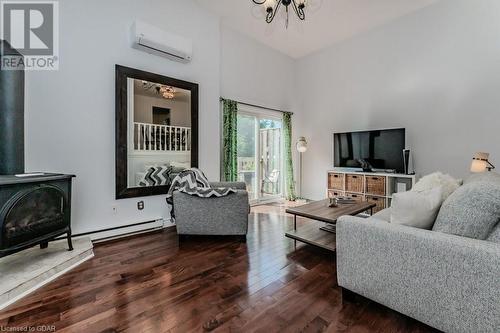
column 354, row 183
column 336, row 181
column 355, row 196
column 335, row 194
column 375, row 185
column 379, row 202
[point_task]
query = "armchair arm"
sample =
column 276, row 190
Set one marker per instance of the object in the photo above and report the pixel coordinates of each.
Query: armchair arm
column 449, row 282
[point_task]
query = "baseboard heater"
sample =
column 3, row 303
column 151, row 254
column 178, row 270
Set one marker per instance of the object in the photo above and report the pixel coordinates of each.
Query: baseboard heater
column 108, row 234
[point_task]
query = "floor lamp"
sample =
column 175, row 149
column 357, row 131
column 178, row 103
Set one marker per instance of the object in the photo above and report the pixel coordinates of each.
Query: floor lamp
column 301, row 148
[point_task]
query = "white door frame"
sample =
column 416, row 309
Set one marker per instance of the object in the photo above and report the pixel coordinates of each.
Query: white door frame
column 259, row 114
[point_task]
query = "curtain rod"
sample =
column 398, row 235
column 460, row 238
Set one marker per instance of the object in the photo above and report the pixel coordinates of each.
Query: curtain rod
column 257, row 106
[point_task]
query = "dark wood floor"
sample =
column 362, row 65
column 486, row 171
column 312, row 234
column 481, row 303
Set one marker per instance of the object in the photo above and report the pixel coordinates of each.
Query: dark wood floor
column 152, row 283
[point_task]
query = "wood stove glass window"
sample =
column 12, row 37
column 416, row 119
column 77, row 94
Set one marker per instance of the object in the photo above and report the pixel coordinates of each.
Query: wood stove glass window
column 33, row 213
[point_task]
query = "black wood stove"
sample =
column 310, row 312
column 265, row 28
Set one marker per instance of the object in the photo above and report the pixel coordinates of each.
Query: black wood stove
column 34, row 209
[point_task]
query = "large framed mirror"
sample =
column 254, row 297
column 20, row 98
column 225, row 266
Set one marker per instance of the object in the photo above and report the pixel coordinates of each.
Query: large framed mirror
column 156, row 131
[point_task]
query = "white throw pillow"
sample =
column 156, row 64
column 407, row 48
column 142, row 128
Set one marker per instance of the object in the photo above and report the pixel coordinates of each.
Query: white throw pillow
column 416, row 209
column 447, row 183
column 184, row 165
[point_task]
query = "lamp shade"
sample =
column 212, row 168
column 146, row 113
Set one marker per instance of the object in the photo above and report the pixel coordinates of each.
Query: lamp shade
column 480, row 162
column 302, row 145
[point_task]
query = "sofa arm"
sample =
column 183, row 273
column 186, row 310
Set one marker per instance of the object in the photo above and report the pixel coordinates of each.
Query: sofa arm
column 449, row 282
column 235, row 185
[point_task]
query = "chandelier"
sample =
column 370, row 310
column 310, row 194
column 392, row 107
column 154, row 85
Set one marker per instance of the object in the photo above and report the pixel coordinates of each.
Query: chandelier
column 272, row 7
column 167, row 92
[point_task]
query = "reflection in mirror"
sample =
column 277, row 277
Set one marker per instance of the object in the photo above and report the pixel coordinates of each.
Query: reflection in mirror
column 156, row 131
column 159, row 132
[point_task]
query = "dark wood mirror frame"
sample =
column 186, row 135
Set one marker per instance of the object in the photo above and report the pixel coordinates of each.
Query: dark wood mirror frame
column 122, row 73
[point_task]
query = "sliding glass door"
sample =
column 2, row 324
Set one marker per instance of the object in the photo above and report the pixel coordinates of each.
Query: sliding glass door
column 247, row 153
column 260, row 155
column 270, row 154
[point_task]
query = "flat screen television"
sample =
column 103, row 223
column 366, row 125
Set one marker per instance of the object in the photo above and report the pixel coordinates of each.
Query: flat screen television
column 382, row 149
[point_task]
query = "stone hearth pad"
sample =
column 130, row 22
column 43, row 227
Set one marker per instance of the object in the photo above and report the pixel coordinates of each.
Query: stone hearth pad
column 26, row 271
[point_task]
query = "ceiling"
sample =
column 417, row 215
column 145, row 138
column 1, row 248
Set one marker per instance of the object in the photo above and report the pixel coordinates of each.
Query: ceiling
column 327, row 21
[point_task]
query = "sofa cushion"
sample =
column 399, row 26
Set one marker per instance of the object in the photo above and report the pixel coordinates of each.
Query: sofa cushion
column 491, row 177
column 416, row 209
column 471, row 211
column 384, row 215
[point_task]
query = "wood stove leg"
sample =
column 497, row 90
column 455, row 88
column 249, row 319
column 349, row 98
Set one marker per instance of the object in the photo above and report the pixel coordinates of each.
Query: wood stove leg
column 70, row 244
column 44, row 245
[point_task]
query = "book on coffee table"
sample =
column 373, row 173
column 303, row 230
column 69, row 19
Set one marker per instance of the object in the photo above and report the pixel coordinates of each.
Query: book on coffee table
column 329, row 227
column 345, row 200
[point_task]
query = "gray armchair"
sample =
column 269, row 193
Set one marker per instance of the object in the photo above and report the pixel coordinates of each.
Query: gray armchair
column 213, row 216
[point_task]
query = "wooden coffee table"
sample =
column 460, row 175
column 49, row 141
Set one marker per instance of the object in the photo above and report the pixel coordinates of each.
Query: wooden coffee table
column 313, row 233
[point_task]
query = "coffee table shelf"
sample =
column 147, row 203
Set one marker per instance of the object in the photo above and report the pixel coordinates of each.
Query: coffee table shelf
column 320, row 213
column 312, row 235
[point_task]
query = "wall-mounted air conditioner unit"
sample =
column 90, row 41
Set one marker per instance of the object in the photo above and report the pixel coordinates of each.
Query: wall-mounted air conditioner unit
column 153, row 40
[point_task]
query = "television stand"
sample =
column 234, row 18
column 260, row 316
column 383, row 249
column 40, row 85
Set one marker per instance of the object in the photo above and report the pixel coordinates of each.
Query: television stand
column 374, row 187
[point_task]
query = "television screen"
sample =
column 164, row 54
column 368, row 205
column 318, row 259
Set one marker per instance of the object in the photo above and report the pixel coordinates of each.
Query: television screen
column 382, row 149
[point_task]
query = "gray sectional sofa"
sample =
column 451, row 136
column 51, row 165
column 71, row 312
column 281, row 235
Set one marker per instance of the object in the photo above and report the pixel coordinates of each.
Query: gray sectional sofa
column 448, row 281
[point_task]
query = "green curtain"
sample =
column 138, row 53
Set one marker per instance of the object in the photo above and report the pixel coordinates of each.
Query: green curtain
column 287, row 137
column 229, row 138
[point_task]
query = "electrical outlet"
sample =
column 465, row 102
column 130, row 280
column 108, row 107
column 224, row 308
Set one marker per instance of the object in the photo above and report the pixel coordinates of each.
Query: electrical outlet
column 140, row 205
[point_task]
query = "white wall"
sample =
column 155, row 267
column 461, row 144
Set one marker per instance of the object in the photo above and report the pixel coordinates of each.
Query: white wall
column 435, row 72
column 253, row 73
column 180, row 111
column 70, row 113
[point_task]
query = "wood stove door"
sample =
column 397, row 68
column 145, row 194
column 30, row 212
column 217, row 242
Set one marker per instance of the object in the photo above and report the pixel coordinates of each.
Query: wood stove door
column 37, row 213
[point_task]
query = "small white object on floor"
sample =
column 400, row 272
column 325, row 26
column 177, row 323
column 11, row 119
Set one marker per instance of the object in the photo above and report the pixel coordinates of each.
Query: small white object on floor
column 24, row 272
